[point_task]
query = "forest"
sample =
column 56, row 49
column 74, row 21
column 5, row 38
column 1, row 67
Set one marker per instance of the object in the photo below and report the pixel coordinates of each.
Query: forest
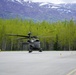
column 57, row 36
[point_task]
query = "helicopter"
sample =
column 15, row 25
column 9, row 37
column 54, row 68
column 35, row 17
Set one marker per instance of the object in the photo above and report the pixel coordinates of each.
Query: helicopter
column 32, row 41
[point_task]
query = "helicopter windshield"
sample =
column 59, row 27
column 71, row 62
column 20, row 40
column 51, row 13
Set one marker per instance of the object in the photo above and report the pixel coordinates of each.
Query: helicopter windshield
column 32, row 40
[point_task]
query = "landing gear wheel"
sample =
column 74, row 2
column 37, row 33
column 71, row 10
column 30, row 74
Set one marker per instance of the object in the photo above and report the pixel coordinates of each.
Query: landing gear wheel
column 30, row 51
column 40, row 50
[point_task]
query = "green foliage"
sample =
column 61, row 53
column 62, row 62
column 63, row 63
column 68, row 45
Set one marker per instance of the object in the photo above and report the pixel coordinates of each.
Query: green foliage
column 60, row 34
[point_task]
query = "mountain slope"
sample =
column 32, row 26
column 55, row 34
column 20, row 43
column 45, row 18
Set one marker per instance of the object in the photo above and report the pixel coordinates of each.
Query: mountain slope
column 37, row 11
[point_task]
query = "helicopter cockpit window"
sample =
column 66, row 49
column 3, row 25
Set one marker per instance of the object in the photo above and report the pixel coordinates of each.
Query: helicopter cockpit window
column 32, row 40
column 37, row 40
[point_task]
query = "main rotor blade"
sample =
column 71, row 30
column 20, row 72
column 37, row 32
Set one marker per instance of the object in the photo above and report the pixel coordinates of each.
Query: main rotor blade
column 28, row 36
column 33, row 37
column 45, row 36
column 17, row 35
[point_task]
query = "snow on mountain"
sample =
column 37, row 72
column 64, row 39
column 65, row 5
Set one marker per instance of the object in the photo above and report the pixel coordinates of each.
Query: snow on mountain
column 21, row 1
column 38, row 11
column 44, row 3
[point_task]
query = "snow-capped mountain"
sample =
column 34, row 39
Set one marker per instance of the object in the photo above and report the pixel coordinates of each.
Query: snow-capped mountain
column 38, row 11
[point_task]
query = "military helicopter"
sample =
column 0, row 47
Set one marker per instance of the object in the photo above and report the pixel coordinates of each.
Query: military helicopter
column 32, row 41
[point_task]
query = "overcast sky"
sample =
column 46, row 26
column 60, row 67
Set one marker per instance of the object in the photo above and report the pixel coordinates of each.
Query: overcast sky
column 56, row 1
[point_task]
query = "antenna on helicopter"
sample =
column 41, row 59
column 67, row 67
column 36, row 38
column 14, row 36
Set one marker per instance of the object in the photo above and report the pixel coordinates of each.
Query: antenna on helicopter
column 29, row 35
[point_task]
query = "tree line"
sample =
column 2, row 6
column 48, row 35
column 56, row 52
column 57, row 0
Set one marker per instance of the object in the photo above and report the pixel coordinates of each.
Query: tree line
column 53, row 36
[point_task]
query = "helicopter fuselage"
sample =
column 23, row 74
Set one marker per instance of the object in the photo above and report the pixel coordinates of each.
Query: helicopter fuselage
column 34, row 44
